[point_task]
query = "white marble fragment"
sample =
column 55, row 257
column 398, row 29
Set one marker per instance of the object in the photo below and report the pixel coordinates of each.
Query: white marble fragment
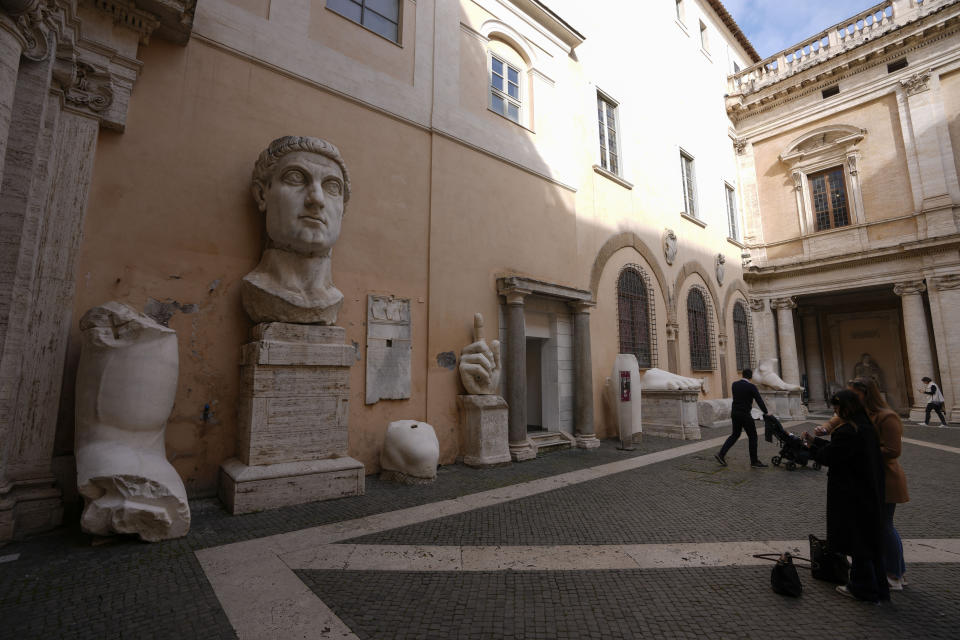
column 765, row 375
column 658, row 379
column 126, row 383
column 410, row 452
column 480, row 366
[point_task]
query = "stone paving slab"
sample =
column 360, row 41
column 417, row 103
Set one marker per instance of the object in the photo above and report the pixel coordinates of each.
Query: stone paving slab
column 689, row 499
column 59, row 586
column 725, row 602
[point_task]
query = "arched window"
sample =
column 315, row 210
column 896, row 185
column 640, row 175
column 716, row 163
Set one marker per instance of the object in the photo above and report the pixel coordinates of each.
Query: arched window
column 741, row 336
column 635, row 316
column 509, row 82
column 698, row 321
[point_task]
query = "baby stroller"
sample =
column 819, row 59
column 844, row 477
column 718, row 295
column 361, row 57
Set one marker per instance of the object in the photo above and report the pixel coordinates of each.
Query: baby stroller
column 791, row 447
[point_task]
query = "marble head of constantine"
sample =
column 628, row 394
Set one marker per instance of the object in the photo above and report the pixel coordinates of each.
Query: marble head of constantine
column 301, row 185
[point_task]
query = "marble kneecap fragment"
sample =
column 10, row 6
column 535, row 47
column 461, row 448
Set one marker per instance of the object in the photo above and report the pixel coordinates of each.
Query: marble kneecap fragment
column 126, row 384
column 410, row 452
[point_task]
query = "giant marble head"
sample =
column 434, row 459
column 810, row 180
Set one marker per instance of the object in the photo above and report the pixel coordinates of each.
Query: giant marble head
column 302, row 186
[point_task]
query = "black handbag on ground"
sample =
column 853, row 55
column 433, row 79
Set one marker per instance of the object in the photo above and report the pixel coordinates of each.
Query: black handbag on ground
column 784, row 577
column 828, row 565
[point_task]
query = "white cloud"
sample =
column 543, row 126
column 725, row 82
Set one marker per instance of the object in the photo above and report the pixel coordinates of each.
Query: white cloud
column 773, row 26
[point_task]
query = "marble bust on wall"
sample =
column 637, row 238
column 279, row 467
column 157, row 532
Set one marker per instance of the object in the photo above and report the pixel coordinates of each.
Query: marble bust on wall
column 302, row 186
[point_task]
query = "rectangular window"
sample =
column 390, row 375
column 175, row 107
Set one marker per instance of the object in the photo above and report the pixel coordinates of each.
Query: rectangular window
column 689, row 185
column 704, row 42
column 829, row 194
column 732, row 211
column 609, row 146
column 680, row 10
column 380, row 16
column 505, row 89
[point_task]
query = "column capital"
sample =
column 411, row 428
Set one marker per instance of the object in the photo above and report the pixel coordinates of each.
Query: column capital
column 758, row 304
column 722, row 341
column 30, row 22
column 580, row 306
column 516, row 296
column 909, row 288
column 917, row 83
column 783, row 303
column 945, row 283
column 673, row 331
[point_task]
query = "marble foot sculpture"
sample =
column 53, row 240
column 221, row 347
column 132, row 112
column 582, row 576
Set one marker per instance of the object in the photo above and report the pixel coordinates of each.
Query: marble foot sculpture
column 126, row 383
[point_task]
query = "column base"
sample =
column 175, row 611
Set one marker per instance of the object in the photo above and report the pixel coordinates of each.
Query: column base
column 954, row 415
column 520, row 451
column 29, row 507
column 245, row 489
column 587, row 442
column 919, row 414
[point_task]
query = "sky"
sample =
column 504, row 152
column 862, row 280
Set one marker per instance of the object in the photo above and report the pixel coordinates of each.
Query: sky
column 772, row 25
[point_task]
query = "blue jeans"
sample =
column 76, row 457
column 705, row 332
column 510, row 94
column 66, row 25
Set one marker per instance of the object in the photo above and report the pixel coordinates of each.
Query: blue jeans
column 892, row 545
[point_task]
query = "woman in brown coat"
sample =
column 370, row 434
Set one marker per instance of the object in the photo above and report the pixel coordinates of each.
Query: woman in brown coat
column 889, row 431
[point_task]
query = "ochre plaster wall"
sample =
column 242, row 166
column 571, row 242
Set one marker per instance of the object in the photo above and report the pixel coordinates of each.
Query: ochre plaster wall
column 342, row 34
column 885, row 182
column 170, row 217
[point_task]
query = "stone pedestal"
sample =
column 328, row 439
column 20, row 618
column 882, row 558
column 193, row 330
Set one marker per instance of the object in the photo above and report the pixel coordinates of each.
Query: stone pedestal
column 670, row 413
column 292, row 420
column 486, row 440
column 786, row 405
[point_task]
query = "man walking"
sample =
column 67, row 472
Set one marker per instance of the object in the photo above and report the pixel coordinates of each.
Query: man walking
column 936, row 401
column 744, row 393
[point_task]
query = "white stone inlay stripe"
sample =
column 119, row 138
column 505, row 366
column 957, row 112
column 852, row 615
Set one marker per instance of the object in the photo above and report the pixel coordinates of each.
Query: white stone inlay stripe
column 577, row 558
column 932, row 445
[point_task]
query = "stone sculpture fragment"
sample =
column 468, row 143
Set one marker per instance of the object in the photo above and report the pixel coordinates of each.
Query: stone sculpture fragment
column 126, row 384
column 410, row 453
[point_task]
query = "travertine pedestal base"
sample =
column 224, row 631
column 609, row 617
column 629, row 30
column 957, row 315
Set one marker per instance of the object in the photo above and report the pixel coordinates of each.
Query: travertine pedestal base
column 292, row 420
column 245, row 489
column 587, row 442
column 485, row 430
column 786, row 405
column 520, row 451
column 29, row 507
column 671, row 413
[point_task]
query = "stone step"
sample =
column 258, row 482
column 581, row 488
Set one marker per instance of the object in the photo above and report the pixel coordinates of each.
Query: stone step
column 546, row 441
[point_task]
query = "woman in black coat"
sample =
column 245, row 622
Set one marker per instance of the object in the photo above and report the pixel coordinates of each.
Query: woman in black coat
column 855, row 497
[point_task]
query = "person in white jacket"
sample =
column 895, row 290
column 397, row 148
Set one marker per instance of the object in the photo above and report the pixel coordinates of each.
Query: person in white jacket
column 935, row 403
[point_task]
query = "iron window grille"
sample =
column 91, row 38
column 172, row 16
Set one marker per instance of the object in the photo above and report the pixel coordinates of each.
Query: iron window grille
column 700, row 326
column 635, row 316
column 380, row 16
column 742, row 336
column 829, row 194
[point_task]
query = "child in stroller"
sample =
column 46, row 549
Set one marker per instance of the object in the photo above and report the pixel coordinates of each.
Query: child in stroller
column 792, row 448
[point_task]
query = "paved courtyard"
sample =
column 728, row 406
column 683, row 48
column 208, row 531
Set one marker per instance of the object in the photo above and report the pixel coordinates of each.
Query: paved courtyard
column 577, row 544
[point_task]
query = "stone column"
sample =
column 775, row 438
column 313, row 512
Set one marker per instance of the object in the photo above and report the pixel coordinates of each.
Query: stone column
column 10, row 50
column 919, row 356
column 930, row 156
column 763, row 336
column 789, row 363
column 516, row 377
column 722, row 357
column 944, row 295
column 673, row 348
column 814, row 358
column 583, row 377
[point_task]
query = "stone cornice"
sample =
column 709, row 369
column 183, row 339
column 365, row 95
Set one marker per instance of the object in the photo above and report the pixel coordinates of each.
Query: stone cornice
column 510, row 284
column 944, row 22
column 903, row 251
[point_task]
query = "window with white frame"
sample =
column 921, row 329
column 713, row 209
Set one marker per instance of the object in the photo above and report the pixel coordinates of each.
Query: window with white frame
column 689, row 184
column 380, row 16
column 505, row 94
column 609, row 142
column 732, row 211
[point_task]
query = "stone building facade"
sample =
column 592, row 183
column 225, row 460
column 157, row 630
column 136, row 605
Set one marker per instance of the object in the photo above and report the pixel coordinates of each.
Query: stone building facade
column 480, row 184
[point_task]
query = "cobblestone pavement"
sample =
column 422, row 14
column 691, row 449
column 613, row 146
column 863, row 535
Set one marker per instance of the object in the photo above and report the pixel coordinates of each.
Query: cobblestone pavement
column 60, row 586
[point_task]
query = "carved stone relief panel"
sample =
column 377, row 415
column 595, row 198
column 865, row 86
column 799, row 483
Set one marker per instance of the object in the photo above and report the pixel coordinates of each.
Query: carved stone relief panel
column 388, row 348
